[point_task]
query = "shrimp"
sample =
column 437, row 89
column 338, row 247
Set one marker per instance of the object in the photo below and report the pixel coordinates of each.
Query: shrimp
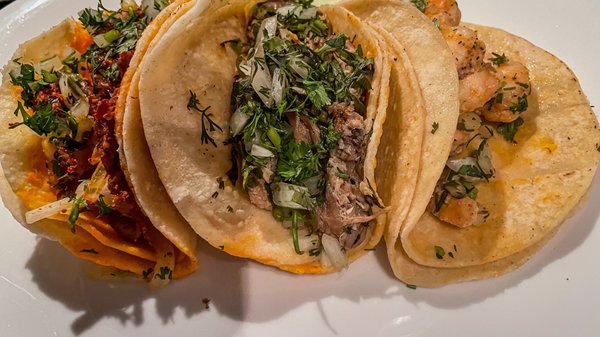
column 461, row 213
column 468, row 50
column 477, row 89
column 512, row 97
column 446, row 12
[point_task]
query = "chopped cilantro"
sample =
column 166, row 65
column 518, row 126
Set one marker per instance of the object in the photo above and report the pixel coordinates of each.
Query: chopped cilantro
column 193, row 104
column 164, row 273
column 341, row 174
column 103, row 208
column 439, row 252
column 420, row 4
column 509, row 130
column 499, row 59
column 411, row 286
column 75, row 210
column 521, row 105
column 146, row 273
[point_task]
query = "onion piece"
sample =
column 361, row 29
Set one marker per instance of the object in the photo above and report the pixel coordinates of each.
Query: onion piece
column 299, row 66
column 469, row 122
column 47, row 210
column 70, row 89
column 278, row 86
column 149, row 9
column 456, row 164
column 261, row 152
column 484, row 159
column 100, row 41
column 97, row 184
column 307, row 242
column 84, row 123
column 49, row 64
column 333, row 249
column 238, row 122
column 126, row 4
column 292, row 196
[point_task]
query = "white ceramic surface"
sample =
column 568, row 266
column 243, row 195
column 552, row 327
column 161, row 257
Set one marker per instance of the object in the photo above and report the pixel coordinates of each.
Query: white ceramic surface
column 44, row 291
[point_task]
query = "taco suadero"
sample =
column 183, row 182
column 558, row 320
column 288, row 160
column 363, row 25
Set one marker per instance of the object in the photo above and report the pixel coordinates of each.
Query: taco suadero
column 60, row 154
column 264, row 119
column 523, row 153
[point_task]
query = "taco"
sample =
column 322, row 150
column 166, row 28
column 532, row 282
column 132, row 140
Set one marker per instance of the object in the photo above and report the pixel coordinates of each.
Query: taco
column 264, row 122
column 511, row 173
column 60, row 156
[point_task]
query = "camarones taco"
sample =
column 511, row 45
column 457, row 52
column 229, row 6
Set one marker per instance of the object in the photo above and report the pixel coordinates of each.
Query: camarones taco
column 264, row 122
column 524, row 153
column 59, row 154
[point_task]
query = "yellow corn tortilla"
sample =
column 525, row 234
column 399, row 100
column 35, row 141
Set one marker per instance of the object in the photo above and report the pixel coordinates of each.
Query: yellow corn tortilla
column 539, row 180
column 24, row 184
column 193, row 57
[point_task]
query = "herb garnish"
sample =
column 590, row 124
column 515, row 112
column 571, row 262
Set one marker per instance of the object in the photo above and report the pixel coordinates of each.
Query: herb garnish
column 434, row 127
column 420, row 4
column 103, row 208
column 164, row 273
column 411, row 286
column 499, row 59
column 439, row 252
column 74, row 213
column 146, row 273
column 509, row 130
column 193, row 104
column 89, row 251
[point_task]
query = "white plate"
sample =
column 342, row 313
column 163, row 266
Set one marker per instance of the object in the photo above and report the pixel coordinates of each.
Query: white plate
column 44, row 291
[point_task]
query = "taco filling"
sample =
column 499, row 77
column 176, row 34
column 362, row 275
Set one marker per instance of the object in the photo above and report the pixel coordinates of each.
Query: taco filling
column 299, row 130
column 70, row 103
column 493, row 93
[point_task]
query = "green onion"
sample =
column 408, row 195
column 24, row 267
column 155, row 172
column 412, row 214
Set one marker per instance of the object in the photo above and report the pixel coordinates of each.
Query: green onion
column 295, row 232
column 274, row 137
column 111, row 35
column 49, row 77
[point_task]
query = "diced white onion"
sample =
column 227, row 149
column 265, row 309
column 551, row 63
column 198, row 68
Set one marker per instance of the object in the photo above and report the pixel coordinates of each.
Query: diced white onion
column 485, row 160
column 299, row 67
column 245, row 69
column 238, row 122
column 278, row 86
column 456, row 164
column 255, row 141
column 470, row 121
column 261, row 152
column 50, row 64
column 100, row 40
column 291, row 196
column 334, row 251
column 270, row 26
column 47, row 210
column 308, row 13
column 69, row 89
column 97, row 184
column 149, row 10
column 286, row 10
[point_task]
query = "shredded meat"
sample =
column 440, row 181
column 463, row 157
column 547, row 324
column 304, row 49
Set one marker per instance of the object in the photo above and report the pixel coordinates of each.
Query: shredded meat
column 259, row 196
column 350, row 125
column 303, row 129
column 345, row 213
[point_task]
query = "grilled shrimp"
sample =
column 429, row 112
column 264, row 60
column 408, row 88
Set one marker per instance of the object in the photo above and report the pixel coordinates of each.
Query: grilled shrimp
column 446, row 12
column 512, row 96
column 477, row 89
column 468, row 50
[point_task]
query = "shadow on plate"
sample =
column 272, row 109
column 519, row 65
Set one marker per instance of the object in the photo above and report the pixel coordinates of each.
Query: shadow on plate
column 244, row 291
column 573, row 233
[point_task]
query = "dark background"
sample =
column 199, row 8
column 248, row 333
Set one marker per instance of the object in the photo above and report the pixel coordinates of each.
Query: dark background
column 4, row 3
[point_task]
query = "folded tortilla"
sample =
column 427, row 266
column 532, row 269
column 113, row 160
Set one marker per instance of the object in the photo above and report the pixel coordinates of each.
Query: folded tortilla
column 539, row 181
column 194, row 58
